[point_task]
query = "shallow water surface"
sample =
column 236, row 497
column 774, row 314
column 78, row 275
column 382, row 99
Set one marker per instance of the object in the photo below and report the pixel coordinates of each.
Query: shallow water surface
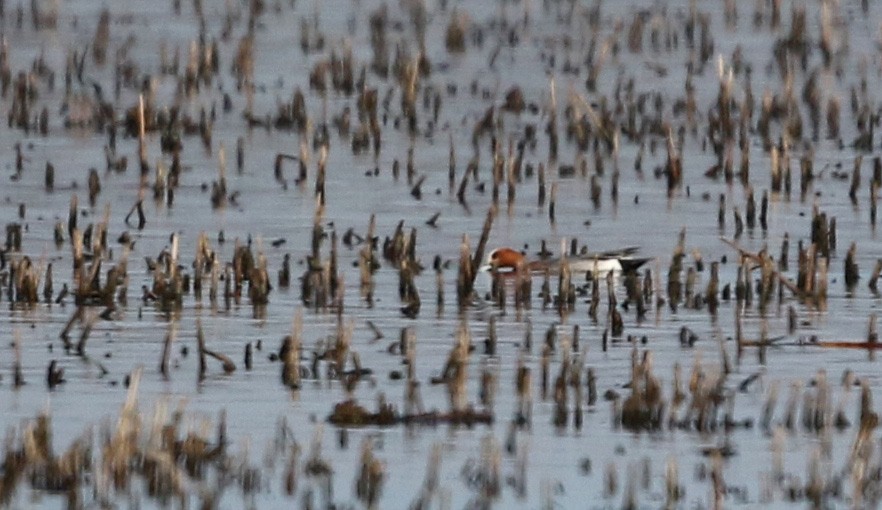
column 546, row 48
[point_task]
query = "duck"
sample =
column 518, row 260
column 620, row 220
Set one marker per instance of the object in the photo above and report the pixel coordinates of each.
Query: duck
column 506, row 260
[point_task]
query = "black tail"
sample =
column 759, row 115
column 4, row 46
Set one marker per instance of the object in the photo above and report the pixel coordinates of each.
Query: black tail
column 632, row 263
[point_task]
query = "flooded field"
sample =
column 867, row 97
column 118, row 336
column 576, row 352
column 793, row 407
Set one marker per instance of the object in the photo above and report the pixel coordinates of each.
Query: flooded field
column 244, row 249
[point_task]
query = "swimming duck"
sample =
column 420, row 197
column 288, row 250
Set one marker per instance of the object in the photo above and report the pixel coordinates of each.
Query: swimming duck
column 508, row 260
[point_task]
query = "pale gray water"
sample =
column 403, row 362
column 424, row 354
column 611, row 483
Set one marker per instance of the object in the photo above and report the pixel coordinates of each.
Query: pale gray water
column 254, row 401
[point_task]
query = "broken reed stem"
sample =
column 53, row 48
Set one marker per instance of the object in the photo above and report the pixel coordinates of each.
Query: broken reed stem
column 142, row 137
column 466, row 275
column 17, row 376
column 482, row 242
column 291, row 353
column 84, row 334
column 366, row 261
column 200, row 343
column 166, row 348
column 320, row 176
